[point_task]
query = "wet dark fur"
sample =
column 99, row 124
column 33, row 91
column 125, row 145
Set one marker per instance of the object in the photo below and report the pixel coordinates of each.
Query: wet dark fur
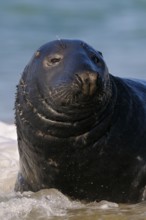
column 85, row 137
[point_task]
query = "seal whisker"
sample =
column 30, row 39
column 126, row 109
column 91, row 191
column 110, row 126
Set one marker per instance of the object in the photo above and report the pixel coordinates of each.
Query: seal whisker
column 62, row 44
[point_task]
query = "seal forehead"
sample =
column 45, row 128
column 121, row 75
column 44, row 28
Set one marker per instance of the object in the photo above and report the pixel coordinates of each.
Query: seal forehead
column 71, row 49
column 56, row 50
column 61, row 45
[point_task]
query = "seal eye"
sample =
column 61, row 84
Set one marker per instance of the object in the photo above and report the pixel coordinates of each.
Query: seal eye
column 95, row 59
column 51, row 61
column 55, row 60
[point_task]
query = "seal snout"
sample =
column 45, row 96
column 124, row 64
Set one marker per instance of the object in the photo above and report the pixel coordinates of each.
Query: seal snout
column 88, row 82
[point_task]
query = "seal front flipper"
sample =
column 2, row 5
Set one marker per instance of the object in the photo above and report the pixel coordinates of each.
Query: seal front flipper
column 143, row 196
column 138, row 186
column 21, row 185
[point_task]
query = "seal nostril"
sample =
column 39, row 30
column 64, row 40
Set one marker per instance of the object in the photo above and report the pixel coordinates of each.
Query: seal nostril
column 88, row 82
column 86, row 77
column 78, row 79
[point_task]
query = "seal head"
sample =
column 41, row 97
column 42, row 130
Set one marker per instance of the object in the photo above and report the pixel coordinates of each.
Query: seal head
column 69, row 72
column 65, row 81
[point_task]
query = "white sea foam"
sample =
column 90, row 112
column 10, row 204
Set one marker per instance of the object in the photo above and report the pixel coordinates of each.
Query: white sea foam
column 8, row 157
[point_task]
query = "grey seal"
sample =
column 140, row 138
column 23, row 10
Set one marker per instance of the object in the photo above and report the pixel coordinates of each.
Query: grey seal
column 80, row 129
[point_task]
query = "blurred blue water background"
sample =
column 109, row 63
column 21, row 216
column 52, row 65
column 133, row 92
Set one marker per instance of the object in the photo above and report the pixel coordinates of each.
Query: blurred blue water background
column 117, row 28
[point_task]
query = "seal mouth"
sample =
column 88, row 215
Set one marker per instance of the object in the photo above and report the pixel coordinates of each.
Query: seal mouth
column 87, row 88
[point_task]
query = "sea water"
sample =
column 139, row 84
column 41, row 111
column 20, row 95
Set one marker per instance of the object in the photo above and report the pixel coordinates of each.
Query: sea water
column 118, row 30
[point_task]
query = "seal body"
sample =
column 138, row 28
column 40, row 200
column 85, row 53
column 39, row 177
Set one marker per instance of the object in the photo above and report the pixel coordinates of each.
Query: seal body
column 80, row 129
